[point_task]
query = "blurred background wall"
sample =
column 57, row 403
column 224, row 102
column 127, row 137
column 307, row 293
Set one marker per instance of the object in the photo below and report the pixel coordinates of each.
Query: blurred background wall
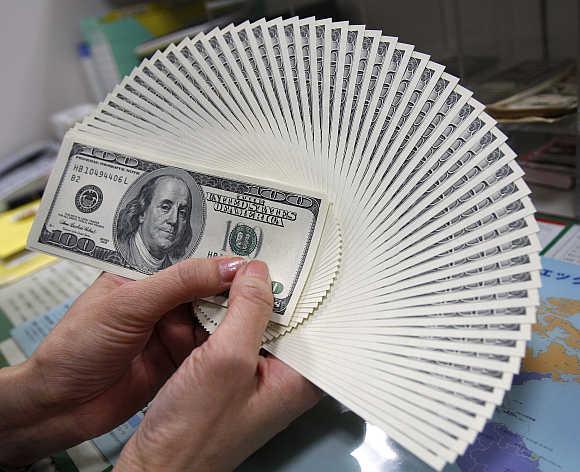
column 41, row 73
column 509, row 28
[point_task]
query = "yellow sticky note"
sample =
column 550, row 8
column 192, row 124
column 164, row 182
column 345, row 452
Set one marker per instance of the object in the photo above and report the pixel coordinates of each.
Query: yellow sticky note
column 14, row 228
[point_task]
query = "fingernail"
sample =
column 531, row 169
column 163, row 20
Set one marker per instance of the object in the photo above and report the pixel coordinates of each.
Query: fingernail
column 228, row 268
column 258, row 269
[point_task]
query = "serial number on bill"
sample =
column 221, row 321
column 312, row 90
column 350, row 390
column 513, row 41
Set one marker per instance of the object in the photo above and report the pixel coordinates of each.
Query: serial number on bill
column 79, row 170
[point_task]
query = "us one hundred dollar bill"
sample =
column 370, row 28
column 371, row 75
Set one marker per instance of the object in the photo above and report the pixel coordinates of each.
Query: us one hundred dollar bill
column 133, row 215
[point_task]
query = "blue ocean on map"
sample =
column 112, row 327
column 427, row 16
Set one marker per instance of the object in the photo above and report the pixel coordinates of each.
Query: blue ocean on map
column 537, row 427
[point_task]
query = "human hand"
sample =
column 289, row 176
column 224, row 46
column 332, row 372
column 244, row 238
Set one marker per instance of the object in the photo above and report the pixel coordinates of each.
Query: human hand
column 225, row 400
column 108, row 357
column 113, row 350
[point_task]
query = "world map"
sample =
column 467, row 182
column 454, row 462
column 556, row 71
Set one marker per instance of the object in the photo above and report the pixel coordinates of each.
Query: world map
column 538, row 425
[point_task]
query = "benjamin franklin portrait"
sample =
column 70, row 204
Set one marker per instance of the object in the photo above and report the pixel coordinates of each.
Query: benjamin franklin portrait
column 160, row 220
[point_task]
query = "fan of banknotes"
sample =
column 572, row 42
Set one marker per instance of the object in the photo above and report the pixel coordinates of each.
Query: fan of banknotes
column 398, row 231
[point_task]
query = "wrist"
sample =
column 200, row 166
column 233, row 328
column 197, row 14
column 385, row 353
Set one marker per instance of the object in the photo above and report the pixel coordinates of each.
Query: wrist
column 28, row 427
column 151, row 449
column 17, row 412
column 140, row 454
column 19, row 396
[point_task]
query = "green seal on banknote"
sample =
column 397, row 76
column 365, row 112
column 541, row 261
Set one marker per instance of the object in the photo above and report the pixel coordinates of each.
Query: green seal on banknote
column 243, row 240
column 277, row 287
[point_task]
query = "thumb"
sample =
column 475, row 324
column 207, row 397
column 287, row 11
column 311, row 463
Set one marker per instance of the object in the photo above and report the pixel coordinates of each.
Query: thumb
column 142, row 303
column 249, row 310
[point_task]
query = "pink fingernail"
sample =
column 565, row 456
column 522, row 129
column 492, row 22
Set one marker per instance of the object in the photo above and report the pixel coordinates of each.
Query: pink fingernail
column 258, row 269
column 228, row 268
